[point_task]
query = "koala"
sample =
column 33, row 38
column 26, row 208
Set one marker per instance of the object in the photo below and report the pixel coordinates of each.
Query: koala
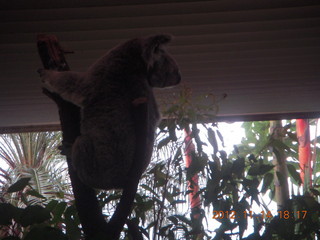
column 108, row 94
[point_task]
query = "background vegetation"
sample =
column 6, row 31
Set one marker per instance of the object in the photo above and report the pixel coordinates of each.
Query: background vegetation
column 235, row 188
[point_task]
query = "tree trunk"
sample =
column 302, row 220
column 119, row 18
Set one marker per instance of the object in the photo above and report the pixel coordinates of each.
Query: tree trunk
column 89, row 211
column 193, row 187
column 303, row 134
column 280, row 169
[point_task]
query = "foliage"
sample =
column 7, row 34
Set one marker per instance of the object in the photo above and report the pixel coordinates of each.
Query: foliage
column 35, row 156
column 259, row 142
column 230, row 187
column 56, row 220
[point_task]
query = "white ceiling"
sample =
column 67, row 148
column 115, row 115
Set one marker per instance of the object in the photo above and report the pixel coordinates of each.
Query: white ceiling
column 263, row 54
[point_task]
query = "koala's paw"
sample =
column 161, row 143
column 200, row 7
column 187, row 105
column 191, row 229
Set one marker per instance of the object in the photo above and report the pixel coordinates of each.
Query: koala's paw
column 43, row 74
column 45, row 78
column 65, row 148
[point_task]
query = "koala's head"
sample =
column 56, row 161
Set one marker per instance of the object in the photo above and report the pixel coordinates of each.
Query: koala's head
column 145, row 56
column 162, row 70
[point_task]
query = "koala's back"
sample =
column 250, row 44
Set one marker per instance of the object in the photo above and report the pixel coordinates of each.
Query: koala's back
column 108, row 126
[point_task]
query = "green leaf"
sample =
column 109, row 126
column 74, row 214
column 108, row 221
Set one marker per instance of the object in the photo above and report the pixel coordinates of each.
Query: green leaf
column 293, row 136
column 7, row 213
column 173, row 219
column 178, row 154
column 51, row 205
column 243, row 224
column 223, row 156
column 264, row 168
column 60, row 194
column 146, row 187
column 112, row 197
column 34, row 214
column 213, row 140
column 162, row 231
column 171, row 235
column 163, row 142
column 272, row 192
column 294, row 174
column 175, row 202
column 10, row 238
column 226, row 171
column 58, row 211
column 236, row 149
column 35, row 193
column 238, row 166
column 220, row 137
column 197, row 165
column 72, row 223
column 254, row 170
column 252, row 158
column 183, row 219
column 267, row 181
column 172, row 109
column 160, row 178
column 152, row 224
column 315, row 192
column 169, row 197
column 19, row 185
column 47, row 233
column 172, row 132
column 251, row 183
column 279, row 144
column 259, row 169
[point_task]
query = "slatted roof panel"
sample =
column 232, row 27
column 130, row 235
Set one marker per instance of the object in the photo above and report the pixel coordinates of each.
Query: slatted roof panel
column 264, row 55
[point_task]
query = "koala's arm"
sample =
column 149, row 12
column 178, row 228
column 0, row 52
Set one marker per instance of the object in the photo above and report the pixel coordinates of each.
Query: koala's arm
column 71, row 86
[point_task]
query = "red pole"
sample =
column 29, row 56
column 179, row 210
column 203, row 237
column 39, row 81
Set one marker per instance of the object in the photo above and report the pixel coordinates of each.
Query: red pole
column 303, row 134
column 193, row 187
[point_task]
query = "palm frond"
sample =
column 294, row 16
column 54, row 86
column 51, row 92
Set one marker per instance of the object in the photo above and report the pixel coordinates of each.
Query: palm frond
column 35, row 155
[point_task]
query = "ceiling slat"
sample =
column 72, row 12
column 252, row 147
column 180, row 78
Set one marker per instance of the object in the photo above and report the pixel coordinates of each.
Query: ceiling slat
column 263, row 54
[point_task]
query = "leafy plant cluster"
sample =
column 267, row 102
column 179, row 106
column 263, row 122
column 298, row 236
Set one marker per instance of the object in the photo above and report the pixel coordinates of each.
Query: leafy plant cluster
column 230, row 185
column 35, row 156
column 234, row 186
column 259, row 142
column 54, row 219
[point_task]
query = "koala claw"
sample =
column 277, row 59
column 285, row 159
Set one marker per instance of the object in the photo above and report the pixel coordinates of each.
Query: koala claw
column 43, row 76
column 65, row 148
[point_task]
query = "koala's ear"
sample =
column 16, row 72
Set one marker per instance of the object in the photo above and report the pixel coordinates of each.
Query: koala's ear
column 152, row 46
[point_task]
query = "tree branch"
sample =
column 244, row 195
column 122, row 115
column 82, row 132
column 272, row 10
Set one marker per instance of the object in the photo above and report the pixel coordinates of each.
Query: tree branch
column 89, row 211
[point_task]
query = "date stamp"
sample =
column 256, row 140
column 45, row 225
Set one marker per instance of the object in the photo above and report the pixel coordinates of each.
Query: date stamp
column 249, row 214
